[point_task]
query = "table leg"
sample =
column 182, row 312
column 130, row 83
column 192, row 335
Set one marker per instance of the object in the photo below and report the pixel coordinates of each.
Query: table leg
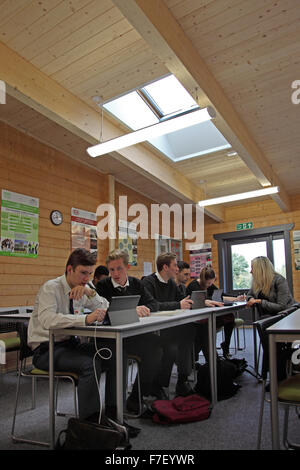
column 274, row 394
column 254, row 318
column 119, row 378
column 212, row 358
column 51, row 391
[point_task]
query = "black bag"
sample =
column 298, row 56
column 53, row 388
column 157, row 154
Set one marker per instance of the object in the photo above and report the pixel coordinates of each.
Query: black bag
column 240, row 365
column 226, row 373
column 86, row 435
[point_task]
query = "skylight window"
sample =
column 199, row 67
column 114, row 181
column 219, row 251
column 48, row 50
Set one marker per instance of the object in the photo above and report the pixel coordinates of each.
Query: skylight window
column 161, row 100
column 132, row 110
column 169, row 95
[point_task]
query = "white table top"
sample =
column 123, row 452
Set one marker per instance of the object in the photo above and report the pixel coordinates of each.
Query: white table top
column 158, row 318
column 289, row 324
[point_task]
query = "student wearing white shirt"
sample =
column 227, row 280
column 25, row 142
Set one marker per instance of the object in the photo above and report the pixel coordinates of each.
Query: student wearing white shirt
column 54, row 309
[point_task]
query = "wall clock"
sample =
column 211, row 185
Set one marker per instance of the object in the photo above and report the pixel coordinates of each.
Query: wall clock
column 56, row 217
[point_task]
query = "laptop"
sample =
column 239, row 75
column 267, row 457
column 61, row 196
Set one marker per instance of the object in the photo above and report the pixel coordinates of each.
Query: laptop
column 198, row 297
column 122, row 310
column 218, row 296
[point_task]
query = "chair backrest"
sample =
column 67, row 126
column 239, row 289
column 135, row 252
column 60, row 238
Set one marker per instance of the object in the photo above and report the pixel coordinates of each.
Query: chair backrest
column 290, row 310
column 261, row 326
column 7, row 325
column 25, row 350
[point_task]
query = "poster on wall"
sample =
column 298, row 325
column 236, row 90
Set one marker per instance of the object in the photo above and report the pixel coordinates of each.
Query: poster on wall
column 83, row 230
column 19, row 225
column 296, row 240
column 176, row 247
column 199, row 258
column 128, row 240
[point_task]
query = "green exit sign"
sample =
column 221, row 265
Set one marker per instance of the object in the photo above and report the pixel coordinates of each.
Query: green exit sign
column 244, row 226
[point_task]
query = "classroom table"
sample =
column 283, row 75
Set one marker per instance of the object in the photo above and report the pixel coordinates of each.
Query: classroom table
column 285, row 330
column 156, row 321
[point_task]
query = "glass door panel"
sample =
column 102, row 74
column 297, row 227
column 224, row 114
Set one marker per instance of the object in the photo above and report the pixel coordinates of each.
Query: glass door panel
column 241, row 256
column 279, row 256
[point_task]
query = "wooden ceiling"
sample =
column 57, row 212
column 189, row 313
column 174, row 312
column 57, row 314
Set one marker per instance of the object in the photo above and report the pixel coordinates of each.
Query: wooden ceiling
column 240, row 56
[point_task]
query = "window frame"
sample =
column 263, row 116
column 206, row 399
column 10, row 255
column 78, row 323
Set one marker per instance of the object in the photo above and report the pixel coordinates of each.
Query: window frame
column 268, row 234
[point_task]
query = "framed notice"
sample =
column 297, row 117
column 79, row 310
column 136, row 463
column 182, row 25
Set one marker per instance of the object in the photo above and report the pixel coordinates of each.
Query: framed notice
column 296, row 240
column 19, row 225
column 128, row 240
column 199, row 258
column 83, row 229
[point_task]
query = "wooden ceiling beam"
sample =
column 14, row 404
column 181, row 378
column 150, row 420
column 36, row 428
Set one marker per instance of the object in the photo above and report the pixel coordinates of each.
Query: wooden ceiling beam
column 35, row 89
column 158, row 27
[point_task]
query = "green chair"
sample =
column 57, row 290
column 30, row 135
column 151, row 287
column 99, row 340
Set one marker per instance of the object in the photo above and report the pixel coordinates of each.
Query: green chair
column 34, row 373
column 288, row 389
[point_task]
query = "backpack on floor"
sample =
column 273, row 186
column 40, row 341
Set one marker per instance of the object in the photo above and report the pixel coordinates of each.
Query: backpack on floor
column 226, row 386
column 181, row 410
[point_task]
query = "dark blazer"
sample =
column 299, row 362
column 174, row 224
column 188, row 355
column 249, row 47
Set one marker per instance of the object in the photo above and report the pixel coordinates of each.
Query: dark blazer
column 106, row 289
column 167, row 294
column 278, row 299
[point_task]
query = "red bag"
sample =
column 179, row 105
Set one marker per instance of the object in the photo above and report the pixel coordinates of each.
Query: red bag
column 181, row 410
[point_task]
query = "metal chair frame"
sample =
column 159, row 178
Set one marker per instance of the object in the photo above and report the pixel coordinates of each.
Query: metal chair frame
column 261, row 326
column 34, row 374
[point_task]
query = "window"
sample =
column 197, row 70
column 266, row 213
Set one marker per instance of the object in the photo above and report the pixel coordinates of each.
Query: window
column 241, row 256
column 161, row 100
column 236, row 250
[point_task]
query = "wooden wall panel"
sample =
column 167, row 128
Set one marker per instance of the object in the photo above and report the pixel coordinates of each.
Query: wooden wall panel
column 146, row 248
column 31, row 168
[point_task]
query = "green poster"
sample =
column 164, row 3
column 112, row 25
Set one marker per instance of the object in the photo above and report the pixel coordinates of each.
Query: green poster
column 19, row 225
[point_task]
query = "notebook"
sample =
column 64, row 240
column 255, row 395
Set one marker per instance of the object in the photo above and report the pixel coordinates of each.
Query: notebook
column 122, row 310
column 218, row 297
column 198, row 297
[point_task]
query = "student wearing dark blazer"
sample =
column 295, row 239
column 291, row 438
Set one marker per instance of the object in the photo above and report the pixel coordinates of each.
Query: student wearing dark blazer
column 145, row 346
column 205, row 281
column 177, row 342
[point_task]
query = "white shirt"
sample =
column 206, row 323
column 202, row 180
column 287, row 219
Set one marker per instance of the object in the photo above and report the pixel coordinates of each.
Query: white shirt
column 115, row 284
column 52, row 310
column 160, row 278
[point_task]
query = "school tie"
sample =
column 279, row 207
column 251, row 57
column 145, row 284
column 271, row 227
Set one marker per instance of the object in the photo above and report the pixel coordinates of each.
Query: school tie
column 71, row 307
column 122, row 290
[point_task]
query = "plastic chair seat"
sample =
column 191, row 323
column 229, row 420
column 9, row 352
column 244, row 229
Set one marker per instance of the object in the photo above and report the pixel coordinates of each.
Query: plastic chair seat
column 11, row 344
column 238, row 322
column 45, row 373
column 289, row 389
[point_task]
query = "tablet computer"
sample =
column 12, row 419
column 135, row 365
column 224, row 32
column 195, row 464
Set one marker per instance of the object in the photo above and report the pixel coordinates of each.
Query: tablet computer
column 122, row 310
column 198, row 297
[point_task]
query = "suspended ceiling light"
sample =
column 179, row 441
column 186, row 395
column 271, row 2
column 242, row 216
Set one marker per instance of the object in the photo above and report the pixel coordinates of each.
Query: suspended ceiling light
column 165, row 127
column 237, row 197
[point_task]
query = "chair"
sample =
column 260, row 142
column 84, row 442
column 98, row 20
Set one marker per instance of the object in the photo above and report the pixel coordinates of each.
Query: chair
column 238, row 323
column 284, row 313
column 7, row 326
column 34, row 373
column 288, row 389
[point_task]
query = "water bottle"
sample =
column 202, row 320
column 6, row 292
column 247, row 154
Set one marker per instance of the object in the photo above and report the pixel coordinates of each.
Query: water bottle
column 78, row 307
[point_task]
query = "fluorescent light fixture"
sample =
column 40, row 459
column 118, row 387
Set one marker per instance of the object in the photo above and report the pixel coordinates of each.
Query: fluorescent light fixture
column 237, row 197
column 232, row 153
column 147, row 133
